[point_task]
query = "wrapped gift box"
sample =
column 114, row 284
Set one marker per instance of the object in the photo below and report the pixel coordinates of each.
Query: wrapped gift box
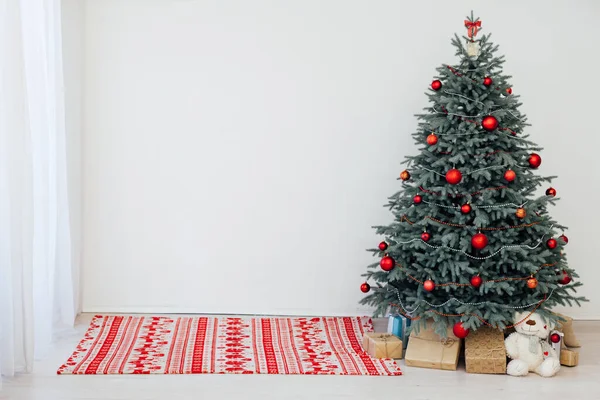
column 569, row 358
column 485, row 352
column 426, row 349
column 398, row 326
column 382, row 345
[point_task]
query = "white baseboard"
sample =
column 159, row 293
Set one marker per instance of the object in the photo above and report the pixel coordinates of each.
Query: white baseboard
column 196, row 311
column 282, row 313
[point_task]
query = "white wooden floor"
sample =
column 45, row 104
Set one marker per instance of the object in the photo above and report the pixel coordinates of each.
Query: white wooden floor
column 578, row 383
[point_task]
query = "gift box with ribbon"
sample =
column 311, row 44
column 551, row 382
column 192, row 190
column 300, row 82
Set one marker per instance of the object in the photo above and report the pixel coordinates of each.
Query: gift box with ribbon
column 382, row 345
column 398, row 326
column 426, row 349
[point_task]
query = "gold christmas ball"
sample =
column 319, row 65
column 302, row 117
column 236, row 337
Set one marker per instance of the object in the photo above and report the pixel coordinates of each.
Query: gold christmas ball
column 520, row 213
column 405, row 175
column 532, row 283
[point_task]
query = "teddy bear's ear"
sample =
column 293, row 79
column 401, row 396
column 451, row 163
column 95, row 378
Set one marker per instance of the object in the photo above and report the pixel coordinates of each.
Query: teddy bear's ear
column 517, row 316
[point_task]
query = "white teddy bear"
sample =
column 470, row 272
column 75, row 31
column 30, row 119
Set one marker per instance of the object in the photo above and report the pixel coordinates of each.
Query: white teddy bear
column 529, row 348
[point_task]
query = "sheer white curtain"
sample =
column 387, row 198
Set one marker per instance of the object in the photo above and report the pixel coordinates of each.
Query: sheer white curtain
column 36, row 273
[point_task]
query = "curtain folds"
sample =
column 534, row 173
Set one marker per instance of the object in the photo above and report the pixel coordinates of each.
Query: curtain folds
column 37, row 282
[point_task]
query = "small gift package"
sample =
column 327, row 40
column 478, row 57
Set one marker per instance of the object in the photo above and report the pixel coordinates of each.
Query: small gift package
column 569, row 358
column 398, row 326
column 556, row 341
column 382, row 345
column 426, row 349
column 485, row 352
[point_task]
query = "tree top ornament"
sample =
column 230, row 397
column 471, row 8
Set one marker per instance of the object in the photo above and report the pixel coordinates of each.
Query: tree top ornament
column 473, row 26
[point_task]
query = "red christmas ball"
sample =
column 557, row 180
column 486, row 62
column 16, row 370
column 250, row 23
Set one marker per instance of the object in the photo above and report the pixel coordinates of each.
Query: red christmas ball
column 564, row 238
column 555, row 338
column 453, row 176
column 405, row 175
column 365, row 287
column 489, row 123
column 551, row 192
column 479, row 241
column 460, row 331
column 465, row 208
column 383, row 246
column 417, row 199
column 487, row 81
column 436, row 85
column 428, row 285
column 387, row 263
column 532, row 283
column 509, row 90
column 432, row 139
column 510, row 175
column 476, row 281
column 551, row 243
column 425, row 236
column 535, row 160
column 565, row 278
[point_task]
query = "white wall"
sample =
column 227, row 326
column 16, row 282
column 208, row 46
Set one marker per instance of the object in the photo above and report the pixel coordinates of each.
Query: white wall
column 236, row 153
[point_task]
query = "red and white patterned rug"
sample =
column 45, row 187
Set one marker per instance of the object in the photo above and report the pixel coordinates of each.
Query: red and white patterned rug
column 195, row 345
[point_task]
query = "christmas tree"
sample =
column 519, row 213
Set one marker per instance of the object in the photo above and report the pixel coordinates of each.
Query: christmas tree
column 471, row 241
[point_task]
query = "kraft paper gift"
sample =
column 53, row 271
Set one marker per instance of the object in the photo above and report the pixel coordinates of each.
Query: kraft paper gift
column 382, row 345
column 428, row 350
column 569, row 358
column 485, row 352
